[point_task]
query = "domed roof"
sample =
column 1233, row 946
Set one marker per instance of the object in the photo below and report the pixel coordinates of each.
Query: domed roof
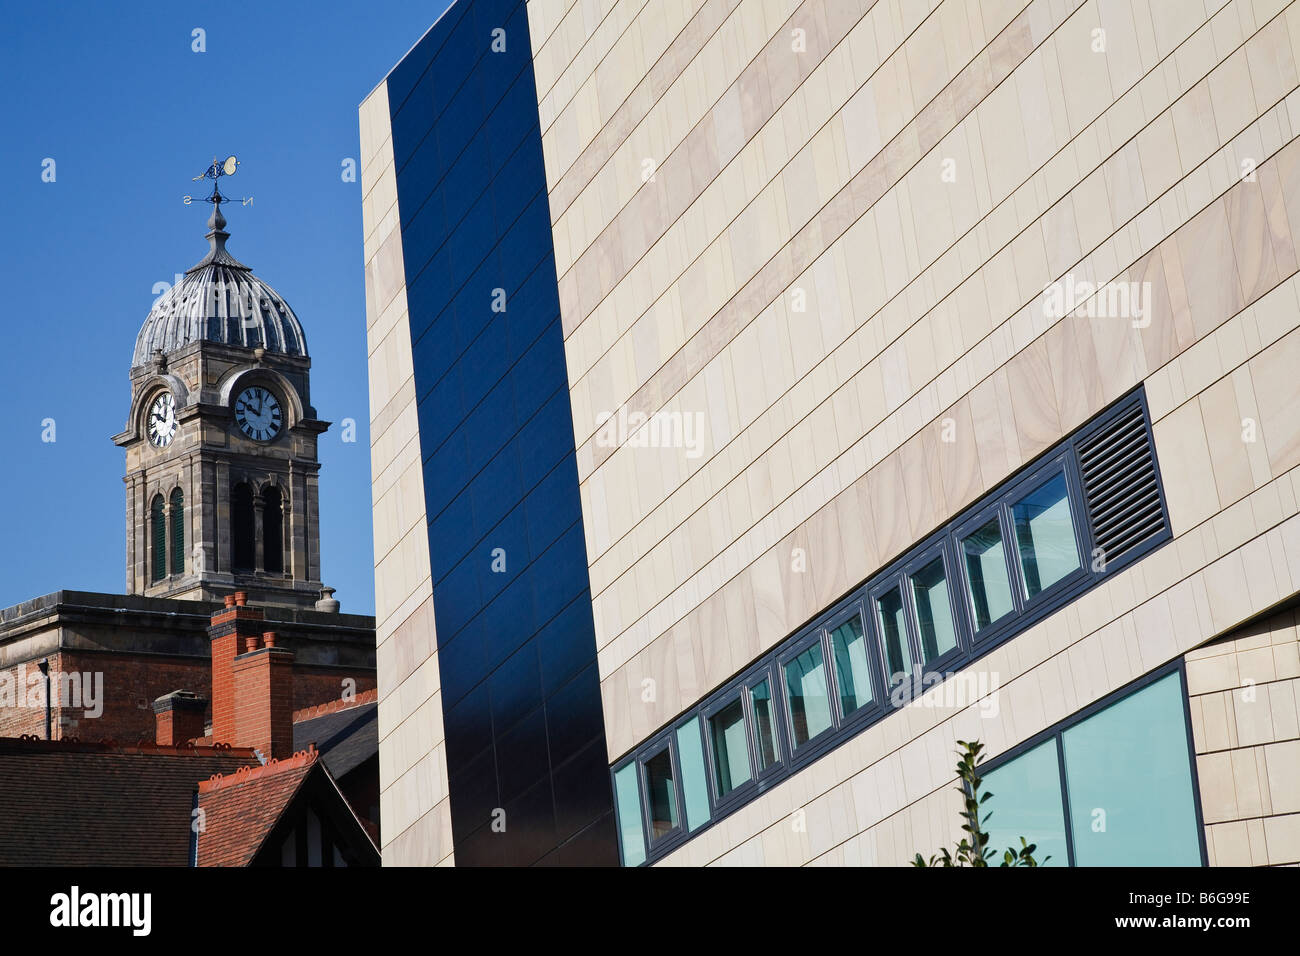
column 219, row 300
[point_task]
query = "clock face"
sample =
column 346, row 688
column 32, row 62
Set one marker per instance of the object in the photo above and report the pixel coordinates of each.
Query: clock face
column 258, row 413
column 162, row 420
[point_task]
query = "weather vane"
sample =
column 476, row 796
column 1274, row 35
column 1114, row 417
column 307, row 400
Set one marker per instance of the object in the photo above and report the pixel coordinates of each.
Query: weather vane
column 214, row 172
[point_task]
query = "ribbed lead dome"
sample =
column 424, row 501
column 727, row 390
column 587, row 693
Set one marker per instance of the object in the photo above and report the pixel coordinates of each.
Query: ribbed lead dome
column 219, row 300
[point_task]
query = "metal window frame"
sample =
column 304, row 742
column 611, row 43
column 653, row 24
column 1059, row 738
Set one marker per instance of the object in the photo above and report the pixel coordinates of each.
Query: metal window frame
column 735, row 693
column 799, row 755
column 995, row 511
column 1057, row 732
column 871, row 710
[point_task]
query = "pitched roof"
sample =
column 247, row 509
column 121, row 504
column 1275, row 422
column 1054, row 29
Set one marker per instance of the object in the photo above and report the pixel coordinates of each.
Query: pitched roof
column 240, row 809
column 346, row 736
column 82, row 804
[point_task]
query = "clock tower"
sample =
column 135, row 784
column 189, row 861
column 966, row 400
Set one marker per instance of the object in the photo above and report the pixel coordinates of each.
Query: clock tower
column 221, row 441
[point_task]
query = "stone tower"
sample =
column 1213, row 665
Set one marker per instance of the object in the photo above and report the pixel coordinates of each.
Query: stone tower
column 221, row 442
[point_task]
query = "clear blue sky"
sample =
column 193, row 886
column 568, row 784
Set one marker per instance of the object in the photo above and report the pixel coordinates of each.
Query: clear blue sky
column 114, row 94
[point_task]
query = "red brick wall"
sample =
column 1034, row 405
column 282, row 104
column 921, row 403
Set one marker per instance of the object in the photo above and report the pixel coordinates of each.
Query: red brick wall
column 316, row 685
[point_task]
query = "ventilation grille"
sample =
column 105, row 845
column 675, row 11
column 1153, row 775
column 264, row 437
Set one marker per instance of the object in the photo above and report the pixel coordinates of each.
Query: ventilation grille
column 1120, row 485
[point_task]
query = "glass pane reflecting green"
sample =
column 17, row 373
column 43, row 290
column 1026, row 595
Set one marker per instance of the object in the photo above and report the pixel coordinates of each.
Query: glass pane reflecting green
column 661, row 792
column 695, row 781
column 849, row 646
column 628, row 801
column 893, row 630
column 730, row 747
column 986, row 574
column 810, row 704
column 1045, row 535
column 1026, row 802
column 1130, row 782
column 760, row 696
column 933, row 611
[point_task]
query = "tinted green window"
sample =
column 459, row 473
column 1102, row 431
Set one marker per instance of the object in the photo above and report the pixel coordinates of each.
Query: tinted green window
column 730, row 747
column 760, row 696
column 933, row 611
column 627, row 799
column 1045, row 535
column 1129, row 777
column 661, row 793
column 1027, row 803
column 810, row 703
column 695, row 781
column 986, row 574
column 893, row 631
column 849, row 645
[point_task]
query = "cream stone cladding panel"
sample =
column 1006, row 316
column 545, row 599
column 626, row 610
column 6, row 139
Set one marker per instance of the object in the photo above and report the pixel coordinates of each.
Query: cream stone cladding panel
column 1243, row 692
column 886, row 793
column 412, row 757
column 923, row 303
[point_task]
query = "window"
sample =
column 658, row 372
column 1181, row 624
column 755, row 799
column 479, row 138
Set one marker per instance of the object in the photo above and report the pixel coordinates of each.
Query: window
column 661, row 792
column 1045, row 536
column 272, row 532
column 933, row 611
column 242, row 528
column 987, row 583
column 1027, row 803
column 852, row 673
column 178, row 531
column 730, row 747
column 893, row 634
column 810, row 703
column 627, row 802
column 695, row 778
column 158, row 530
column 1129, row 778
column 1123, row 773
column 769, row 751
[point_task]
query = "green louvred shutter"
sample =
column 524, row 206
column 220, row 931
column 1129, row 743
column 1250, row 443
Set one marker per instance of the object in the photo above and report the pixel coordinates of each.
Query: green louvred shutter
column 159, row 554
column 178, row 531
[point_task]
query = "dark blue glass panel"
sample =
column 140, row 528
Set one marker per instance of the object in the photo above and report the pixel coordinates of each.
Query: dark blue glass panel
column 520, row 689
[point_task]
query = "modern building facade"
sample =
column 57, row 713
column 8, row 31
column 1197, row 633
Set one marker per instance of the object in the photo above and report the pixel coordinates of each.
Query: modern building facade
column 888, row 375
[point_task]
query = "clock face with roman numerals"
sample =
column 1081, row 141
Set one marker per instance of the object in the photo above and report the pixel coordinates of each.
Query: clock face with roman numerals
column 258, row 413
column 162, row 420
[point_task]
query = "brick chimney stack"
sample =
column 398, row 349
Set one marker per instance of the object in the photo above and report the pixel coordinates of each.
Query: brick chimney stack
column 178, row 718
column 263, row 685
column 227, row 631
column 252, row 681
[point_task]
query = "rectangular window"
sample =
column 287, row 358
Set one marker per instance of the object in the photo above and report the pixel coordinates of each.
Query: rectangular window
column 1120, row 779
column 730, row 747
column 695, row 779
column 1045, row 536
column 810, row 703
column 627, row 800
column 852, row 675
column 893, row 634
column 1129, row 777
column 989, row 587
column 661, row 793
column 1026, row 802
column 933, row 611
column 760, row 698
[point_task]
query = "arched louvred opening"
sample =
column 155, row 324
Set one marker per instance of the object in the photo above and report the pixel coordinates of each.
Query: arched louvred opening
column 272, row 531
column 242, row 529
column 178, row 531
column 158, row 531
